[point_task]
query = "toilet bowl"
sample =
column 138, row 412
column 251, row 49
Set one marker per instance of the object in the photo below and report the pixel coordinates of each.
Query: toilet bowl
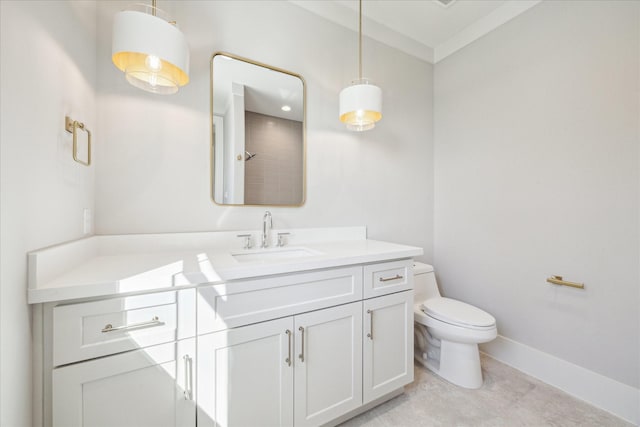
column 447, row 332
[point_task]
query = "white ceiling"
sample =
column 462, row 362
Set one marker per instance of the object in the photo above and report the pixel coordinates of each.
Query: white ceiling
column 265, row 90
column 422, row 28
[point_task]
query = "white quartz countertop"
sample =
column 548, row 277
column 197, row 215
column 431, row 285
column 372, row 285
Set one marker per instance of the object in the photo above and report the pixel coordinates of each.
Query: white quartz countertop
column 102, row 267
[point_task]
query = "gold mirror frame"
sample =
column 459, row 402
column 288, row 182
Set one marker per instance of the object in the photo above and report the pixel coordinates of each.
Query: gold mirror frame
column 212, row 131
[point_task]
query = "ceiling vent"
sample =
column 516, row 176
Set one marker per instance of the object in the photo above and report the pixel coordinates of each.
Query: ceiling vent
column 445, row 3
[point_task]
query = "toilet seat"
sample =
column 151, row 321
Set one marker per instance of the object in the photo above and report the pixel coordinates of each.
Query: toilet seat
column 458, row 313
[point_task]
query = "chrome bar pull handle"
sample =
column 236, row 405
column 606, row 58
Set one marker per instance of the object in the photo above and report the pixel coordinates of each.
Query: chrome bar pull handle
column 370, row 334
column 387, row 279
column 301, row 356
column 153, row 322
column 188, row 377
column 288, row 359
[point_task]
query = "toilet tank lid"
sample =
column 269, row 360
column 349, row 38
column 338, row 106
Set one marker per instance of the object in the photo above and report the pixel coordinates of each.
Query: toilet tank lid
column 421, row 268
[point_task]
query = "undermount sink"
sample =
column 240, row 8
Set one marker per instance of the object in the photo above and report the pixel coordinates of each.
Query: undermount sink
column 266, row 255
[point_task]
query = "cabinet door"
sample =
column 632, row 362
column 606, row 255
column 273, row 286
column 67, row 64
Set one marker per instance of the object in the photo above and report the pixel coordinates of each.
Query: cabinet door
column 87, row 330
column 328, row 364
column 245, row 376
column 388, row 344
column 388, row 277
column 150, row 387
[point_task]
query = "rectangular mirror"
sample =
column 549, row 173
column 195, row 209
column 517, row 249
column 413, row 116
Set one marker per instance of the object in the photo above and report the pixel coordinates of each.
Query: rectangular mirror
column 258, row 149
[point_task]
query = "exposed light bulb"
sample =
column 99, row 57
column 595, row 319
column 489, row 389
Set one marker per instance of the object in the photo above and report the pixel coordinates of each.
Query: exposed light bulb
column 153, row 63
column 149, row 48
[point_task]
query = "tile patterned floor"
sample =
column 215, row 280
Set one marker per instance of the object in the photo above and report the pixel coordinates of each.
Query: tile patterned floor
column 507, row 398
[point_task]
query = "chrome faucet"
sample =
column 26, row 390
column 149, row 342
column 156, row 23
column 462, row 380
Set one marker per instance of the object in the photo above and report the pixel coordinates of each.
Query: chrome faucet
column 265, row 235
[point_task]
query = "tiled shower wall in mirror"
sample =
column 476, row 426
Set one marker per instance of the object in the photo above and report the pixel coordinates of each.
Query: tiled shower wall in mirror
column 274, row 175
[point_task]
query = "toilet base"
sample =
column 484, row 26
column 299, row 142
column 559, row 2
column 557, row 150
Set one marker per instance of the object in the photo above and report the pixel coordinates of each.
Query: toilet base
column 459, row 363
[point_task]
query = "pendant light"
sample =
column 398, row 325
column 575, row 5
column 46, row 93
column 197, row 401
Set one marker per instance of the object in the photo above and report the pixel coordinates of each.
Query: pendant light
column 361, row 102
column 149, row 48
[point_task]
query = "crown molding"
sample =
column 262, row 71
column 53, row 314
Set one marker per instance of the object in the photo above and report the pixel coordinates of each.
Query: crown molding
column 483, row 26
column 348, row 18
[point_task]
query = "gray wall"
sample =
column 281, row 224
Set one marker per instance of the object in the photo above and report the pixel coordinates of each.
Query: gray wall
column 536, row 171
column 151, row 153
column 536, row 164
column 153, row 171
column 47, row 60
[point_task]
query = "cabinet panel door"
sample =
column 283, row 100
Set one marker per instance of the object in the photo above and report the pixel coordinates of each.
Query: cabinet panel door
column 328, row 360
column 80, row 329
column 388, row 344
column 245, row 376
column 257, row 300
column 388, row 277
column 150, row 387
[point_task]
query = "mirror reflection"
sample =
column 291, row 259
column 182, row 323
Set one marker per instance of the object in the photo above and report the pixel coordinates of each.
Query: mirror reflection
column 258, row 125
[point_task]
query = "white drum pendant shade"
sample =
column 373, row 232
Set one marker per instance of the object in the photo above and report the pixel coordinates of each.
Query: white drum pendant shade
column 361, row 102
column 153, row 54
column 360, row 105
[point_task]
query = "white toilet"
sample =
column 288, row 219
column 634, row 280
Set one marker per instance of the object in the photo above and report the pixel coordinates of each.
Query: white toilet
column 447, row 332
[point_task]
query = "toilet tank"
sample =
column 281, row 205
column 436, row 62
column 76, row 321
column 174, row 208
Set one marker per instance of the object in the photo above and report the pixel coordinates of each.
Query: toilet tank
column 424, row 285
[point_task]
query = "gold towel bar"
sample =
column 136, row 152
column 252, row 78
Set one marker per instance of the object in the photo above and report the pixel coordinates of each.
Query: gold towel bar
column 72, row 126
column 557, row 280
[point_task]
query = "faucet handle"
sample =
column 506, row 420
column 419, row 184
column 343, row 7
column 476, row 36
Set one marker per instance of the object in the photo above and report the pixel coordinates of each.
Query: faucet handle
column 248, row 244
column 281, row 241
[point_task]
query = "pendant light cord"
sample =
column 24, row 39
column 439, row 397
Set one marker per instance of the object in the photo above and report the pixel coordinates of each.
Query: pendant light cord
column 359, row 43
column 153, row 7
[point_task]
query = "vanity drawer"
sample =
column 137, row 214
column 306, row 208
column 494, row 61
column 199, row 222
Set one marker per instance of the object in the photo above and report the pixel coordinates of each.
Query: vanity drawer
column 92, row 329
column 250, row 301
column 387, row 277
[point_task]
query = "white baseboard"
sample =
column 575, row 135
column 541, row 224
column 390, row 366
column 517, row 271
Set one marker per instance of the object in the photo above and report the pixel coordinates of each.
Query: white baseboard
column 610, row 395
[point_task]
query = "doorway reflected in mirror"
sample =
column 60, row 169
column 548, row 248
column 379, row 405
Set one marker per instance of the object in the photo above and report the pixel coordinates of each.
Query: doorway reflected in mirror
column 258, row 133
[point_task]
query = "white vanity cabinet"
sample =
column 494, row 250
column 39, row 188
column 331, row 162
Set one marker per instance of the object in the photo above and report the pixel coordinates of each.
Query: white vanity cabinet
column 125, row 361
column 245, row 375
column 388, row 324
column 317, row 363
column 388, row 344
column 199, row 339
column 300, row 370
column 387, row 277
column 151, row 387
column 328, row 364
column 92, row 329
column 310, row 355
